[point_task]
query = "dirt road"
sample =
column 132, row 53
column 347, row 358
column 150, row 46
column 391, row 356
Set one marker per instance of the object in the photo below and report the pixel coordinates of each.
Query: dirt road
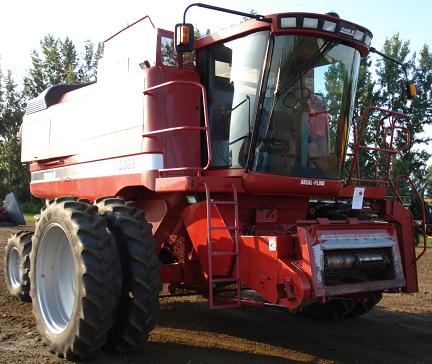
column 399, row 330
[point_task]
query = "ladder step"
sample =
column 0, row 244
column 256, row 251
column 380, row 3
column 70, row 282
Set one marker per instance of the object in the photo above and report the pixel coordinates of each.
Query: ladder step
column 223, row 254
column 225, row 280
column 226, row 302
column 223, row 202
column 223, row 228
column 234, row 276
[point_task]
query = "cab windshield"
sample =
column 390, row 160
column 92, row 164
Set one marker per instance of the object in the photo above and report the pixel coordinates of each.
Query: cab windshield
column 307, row 108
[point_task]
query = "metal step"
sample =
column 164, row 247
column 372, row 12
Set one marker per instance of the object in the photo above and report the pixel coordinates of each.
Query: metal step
column 224, row 254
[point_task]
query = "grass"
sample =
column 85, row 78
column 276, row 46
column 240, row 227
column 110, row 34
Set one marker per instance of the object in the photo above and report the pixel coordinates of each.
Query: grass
column 29, row 217
column 428, row 240
column 30, row 209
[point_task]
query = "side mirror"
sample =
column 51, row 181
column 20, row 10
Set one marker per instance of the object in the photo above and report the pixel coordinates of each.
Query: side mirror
column 411, row 91
column 184, row 37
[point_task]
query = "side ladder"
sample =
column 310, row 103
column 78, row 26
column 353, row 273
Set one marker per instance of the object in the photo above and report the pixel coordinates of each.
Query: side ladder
column 235, row 277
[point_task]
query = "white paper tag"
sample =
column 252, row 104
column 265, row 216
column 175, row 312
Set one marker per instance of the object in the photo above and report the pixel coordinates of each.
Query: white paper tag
column 272, row 244
column 357, row 201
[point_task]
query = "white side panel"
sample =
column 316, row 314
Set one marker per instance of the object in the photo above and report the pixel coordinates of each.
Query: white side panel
column 109, row 167
column 122, row 142
column 116, row 106
column 102, row 120
column 68, row 120
column 35, row 137
column 126, row 50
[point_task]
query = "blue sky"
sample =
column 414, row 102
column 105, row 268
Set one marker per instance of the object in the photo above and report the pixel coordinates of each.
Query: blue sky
column 24, row 22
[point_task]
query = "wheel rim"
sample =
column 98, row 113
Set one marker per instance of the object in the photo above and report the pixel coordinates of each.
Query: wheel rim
column 14, row 267
column 55, row 278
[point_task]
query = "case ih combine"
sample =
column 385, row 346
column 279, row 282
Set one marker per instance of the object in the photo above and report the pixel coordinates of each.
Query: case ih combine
column 224, row 170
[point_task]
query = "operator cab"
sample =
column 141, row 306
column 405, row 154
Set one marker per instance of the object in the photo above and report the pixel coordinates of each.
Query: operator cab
column 281, row 93
column 307, row 108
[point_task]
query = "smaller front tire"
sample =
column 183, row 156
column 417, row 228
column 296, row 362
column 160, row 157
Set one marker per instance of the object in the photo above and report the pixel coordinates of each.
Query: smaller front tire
column 17, row 265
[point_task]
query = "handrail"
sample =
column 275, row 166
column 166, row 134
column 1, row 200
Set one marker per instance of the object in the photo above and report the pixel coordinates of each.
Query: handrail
column 188, row 127
column 395, row 187
column 376, row 181
column 392, row 128
column 388, row 149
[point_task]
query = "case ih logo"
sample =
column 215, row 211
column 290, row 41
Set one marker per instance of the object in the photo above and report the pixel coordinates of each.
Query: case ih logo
column 347, row 31
column 312, row 182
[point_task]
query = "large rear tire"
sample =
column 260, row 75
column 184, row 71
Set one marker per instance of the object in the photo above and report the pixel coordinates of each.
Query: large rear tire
column 17, row 265
column 139, row 304
column 73, row 277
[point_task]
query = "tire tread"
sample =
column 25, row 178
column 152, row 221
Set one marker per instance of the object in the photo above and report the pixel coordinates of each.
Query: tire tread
column 136, row 314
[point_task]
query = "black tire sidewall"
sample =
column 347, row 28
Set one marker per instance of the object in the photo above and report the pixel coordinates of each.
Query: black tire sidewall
column 13, row 242
column 57, row 342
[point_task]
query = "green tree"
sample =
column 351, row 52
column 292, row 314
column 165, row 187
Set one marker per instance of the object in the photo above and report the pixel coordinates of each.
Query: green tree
column 386, row 90
column 168, row 53
column 421, row 116
column 391, row 76
column 199, row 34
column 426, row 188
column 246, row 18
column 91, row 56
column 390, row 79
column 13, row 175
column 58, row 62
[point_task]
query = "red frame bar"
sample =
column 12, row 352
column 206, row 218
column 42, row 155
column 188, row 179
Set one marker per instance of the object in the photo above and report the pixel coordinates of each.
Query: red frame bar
column 130, row 26
column 390, row 151
column 237, row 239
column 377, row 181
column 395, row 187
column 384, row 150
column 180, row 128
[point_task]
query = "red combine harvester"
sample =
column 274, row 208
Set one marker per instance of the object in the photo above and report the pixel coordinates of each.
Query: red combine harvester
column 225, row 171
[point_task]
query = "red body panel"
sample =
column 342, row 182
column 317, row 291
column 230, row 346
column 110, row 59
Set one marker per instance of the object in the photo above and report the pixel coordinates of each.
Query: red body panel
column 259, row 183
column 255, row 25
column 195, row 219
column 267, row 266
column 92, row 188
column 404, row 227
column 159, row 106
